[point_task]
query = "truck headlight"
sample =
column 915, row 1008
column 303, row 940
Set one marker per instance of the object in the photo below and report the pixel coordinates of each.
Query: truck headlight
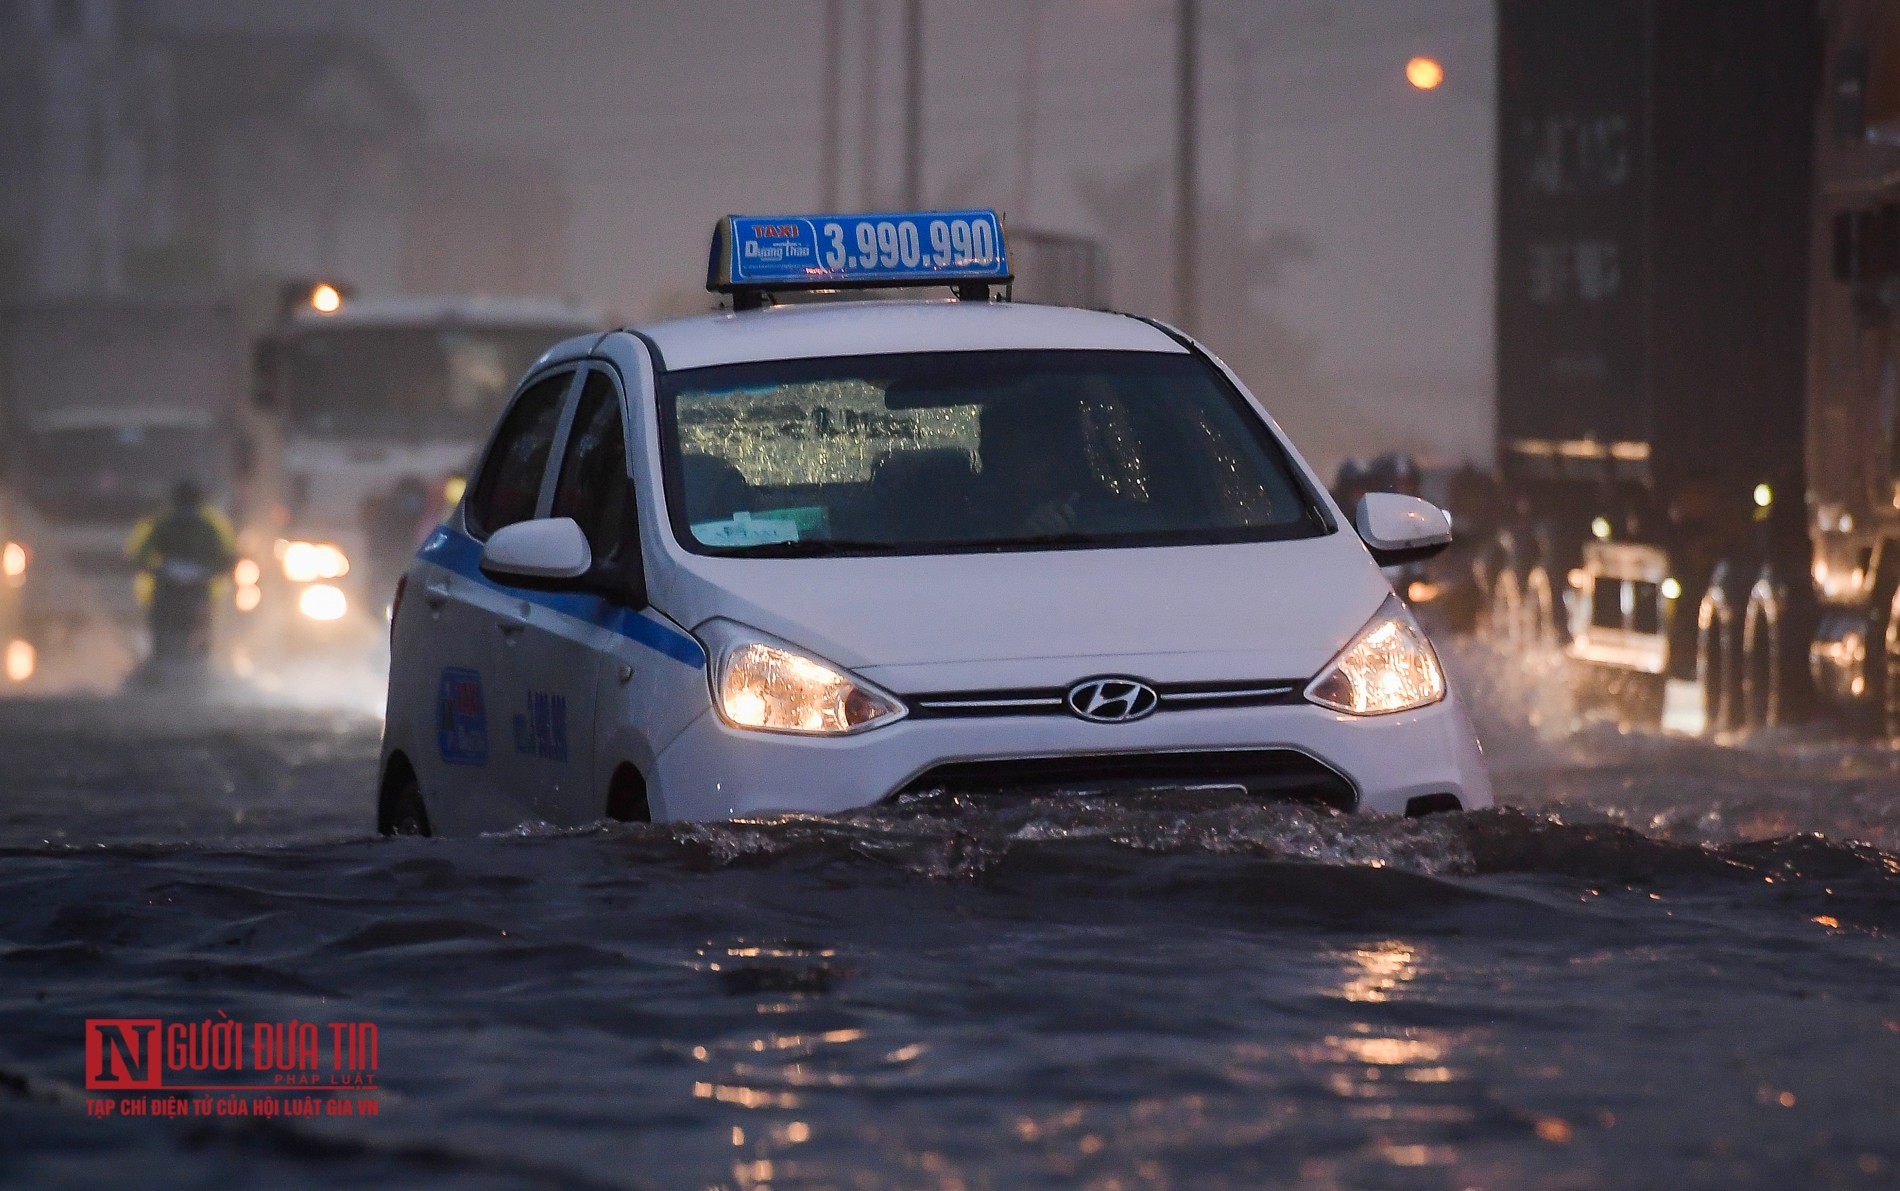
column 307, row 562
column 768, row 686
column 323, row 602
column 1388, row 667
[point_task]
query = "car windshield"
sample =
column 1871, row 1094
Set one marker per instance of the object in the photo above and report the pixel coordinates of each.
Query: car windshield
column 969, row 451
column 406, row 382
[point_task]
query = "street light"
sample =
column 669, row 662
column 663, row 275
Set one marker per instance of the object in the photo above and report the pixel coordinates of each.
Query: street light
column 1424, row 73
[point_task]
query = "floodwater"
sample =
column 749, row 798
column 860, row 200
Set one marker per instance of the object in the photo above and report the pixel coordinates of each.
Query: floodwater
column 1666, row 964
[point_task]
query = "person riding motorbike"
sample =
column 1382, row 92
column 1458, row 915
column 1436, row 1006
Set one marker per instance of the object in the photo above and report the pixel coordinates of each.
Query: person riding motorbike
column 181, row 552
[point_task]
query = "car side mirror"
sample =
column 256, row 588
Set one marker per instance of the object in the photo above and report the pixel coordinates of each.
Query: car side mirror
column 553, row 548
column 1401, row 529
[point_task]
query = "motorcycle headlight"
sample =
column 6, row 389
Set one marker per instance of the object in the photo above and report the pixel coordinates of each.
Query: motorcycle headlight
column 768, row 686
column 1388, row 667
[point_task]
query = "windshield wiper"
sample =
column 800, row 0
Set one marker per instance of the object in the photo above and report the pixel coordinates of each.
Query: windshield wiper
column 1054, row 539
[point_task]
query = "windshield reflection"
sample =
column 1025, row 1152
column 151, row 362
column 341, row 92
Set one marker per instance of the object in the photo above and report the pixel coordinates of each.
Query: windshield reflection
column 972, row 451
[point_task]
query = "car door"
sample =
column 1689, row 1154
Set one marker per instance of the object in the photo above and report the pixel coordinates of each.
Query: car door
column 457, row 641
column 652, row 683
column 567, row 634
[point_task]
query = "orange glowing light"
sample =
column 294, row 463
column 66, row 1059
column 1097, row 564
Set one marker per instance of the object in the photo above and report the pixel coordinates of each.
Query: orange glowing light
column 1555, row 1130
column 325, row 299
column 1424, row 73
column 21, row 661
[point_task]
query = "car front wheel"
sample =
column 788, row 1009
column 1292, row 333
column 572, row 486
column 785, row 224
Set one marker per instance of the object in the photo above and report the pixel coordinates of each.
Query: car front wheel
column 403, row 812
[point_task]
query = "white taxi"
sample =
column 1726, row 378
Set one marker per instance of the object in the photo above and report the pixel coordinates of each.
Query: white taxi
column 813, row 555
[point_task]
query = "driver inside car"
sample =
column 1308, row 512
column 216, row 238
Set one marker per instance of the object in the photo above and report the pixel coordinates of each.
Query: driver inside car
column 1038, row 480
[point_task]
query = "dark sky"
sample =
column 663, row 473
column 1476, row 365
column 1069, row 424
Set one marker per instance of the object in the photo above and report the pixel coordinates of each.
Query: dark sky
column 663, row 115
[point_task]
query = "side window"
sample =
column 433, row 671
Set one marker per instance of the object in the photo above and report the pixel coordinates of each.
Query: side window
column 510, row 482
column 594, row 489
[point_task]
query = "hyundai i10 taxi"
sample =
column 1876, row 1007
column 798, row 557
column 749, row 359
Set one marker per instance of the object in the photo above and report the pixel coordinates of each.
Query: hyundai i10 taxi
column 819, row 551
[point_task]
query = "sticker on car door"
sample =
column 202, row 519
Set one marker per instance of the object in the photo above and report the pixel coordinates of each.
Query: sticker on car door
column 541, row 731
column 461, row 720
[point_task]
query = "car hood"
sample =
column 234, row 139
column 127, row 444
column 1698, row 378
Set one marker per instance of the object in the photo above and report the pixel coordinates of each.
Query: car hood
column 1271, row 610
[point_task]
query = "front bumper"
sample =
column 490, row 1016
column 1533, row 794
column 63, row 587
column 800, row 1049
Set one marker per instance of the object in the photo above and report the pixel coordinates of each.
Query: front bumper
column 711, row 771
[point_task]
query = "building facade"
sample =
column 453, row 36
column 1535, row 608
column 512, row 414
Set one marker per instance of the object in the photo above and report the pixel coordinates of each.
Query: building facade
column 141, row 159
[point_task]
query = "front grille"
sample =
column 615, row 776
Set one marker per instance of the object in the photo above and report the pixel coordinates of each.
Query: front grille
column 1178, row 696
column 1267, row 774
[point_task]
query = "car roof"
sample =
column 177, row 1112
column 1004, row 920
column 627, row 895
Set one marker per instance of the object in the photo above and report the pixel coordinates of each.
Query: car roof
column 877, row 327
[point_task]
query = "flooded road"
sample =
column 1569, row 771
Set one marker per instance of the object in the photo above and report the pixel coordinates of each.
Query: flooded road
column 1649, row 970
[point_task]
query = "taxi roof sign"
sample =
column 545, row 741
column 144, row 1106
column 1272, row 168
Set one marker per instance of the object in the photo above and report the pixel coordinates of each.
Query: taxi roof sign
column 753, row 255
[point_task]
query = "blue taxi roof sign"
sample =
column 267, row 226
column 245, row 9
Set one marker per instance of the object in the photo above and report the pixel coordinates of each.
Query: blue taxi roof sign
column 757, row 254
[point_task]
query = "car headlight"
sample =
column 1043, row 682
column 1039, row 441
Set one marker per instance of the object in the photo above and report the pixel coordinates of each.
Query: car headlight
column 307, row 562
column 768, row 686
column 1389, row 666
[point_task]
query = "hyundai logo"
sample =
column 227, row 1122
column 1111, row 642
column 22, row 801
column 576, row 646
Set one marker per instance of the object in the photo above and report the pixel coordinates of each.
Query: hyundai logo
column 1112, row 700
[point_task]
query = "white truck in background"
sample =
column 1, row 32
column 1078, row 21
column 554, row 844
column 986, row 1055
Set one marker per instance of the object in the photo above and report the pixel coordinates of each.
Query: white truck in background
column 365, row 416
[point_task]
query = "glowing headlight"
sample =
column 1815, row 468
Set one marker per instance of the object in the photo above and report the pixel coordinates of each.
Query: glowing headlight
column 1388, row 667
column 323, row 602
column 768, row 688
column 21, row 661
column 307, row 562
